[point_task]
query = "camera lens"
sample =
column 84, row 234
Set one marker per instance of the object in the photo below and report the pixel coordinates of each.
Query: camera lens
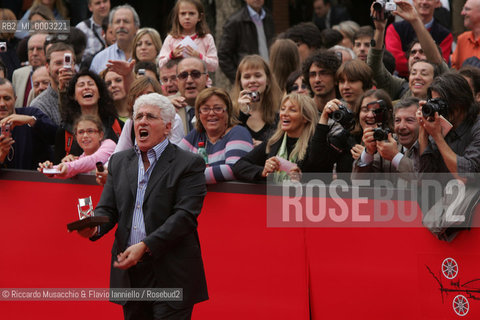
column 428, row 110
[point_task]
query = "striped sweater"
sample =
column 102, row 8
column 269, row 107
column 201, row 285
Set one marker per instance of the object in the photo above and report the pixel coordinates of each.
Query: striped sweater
column 223, row 154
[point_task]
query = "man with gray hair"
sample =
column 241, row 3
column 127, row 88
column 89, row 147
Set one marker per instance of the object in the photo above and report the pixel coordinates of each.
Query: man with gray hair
column 125, row 22
column 155, row 193
column 399, row 155
column 22, row 77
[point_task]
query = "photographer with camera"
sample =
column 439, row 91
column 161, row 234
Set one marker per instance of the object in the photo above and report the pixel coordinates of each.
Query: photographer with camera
column 400, row 34
column 382, row 152
column 454, row 150
column 424, row 48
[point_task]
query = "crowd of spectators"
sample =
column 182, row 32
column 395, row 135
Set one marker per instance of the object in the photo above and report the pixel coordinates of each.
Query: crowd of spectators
column 326, row 95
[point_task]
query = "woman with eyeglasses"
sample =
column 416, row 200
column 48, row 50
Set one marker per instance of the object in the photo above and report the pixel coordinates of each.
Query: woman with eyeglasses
column 257, row 97
column 217, row 132
column 86, row 94
column 89, row 135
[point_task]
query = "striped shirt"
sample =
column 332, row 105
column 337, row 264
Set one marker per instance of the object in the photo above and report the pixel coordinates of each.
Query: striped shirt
column 223, row 154
column 137, row 233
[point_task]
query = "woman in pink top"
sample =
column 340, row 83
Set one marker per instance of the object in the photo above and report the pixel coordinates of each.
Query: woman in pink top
column 88, row 131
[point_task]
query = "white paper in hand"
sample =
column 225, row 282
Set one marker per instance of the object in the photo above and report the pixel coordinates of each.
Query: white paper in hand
column 187, row 41
column 285, row 165
column 50, row 171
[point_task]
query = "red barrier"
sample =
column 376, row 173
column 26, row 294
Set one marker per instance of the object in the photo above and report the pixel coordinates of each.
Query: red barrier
column 252, row 271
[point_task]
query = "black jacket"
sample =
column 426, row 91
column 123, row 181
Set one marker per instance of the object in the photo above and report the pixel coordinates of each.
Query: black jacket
column 239, row 38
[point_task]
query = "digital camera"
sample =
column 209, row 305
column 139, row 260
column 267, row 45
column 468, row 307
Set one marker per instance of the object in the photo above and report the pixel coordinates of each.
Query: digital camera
column 380, row 134
column 386, row 5
column 434, row 105
column 6, row 131
column 255, row 95
column 344, row 116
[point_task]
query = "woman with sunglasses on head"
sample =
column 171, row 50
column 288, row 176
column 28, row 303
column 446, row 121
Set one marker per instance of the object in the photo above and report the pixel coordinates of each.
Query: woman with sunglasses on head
column 89, row 135
column 257, row 97
column 216, row 131
column 295, row 83
column 86, row 94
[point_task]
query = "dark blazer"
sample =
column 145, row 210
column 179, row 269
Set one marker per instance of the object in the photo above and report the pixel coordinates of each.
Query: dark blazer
column 337, row 14
column 173, row 200
column 239, row 38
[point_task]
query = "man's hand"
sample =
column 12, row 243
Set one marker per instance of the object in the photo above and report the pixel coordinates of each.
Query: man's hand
column 387, row 149
column 5, row 144
column 330, row 107
column 406, row 11
column 369, row 142
column 177, row 101
column 378, row 19
column 101, row 176
column 64, row 77
column 356, row 151
column 131, row 256
column 18, row 120
column 123, row 68
column 87, row 232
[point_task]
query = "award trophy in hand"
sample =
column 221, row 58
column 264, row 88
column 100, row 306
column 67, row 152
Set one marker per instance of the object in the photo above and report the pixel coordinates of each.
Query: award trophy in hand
column 86, row 216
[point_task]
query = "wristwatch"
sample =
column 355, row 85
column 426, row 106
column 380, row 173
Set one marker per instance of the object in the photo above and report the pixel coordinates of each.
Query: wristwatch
column 34, row 118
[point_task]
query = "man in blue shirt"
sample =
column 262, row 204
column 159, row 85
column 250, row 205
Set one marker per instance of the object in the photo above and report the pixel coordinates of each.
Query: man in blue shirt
column 125, row 22
column 154, row 193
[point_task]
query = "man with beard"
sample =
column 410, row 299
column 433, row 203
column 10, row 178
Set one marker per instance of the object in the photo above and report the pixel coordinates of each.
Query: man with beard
column 125, row 22
column 319, row 73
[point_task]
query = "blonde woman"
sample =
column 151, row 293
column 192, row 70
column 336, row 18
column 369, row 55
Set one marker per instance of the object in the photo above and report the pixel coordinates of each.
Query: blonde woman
column 146, row 45
column 299, row 138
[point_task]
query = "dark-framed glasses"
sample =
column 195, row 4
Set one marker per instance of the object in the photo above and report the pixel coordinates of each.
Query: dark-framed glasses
column 89, row 132
column 195, row 74
column 217, row 110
